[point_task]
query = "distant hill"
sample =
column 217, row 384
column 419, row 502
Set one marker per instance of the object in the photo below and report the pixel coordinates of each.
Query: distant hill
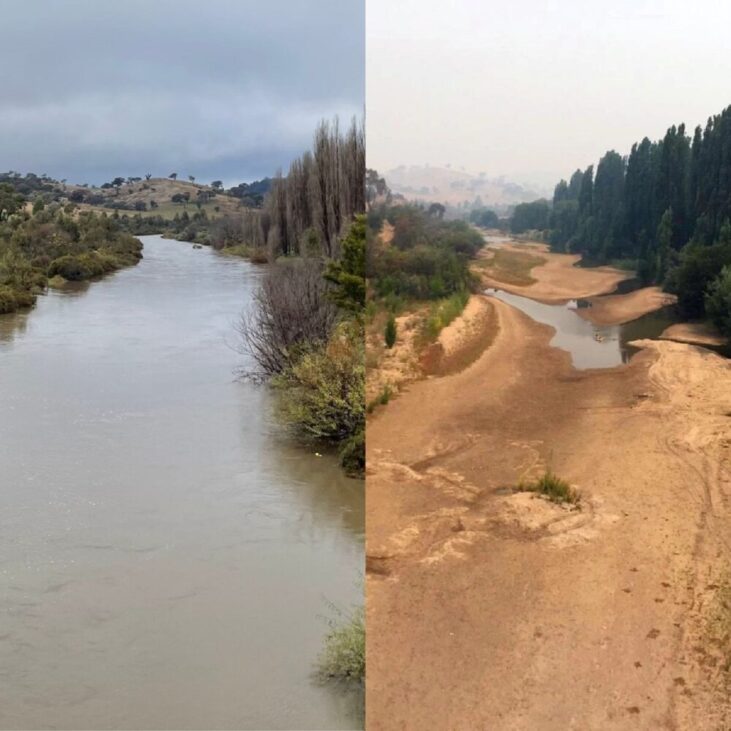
column 455, row 187
column 147, row 196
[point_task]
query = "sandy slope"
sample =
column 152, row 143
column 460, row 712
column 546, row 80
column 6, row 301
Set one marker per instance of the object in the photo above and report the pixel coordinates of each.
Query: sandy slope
column 615, row 309
column 489, row 610
column 458, row 345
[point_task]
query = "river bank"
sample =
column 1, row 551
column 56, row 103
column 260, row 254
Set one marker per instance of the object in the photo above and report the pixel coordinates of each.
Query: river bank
column 494, row 609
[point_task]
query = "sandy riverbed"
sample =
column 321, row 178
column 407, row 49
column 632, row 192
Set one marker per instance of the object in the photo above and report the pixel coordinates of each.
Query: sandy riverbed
column 488, row 609
column 558, row 279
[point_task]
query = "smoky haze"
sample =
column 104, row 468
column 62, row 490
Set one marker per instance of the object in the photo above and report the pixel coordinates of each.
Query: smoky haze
column 230, row 89
column 532, row 90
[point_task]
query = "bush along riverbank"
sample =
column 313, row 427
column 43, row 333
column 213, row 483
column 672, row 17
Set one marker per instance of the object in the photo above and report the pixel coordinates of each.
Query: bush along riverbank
column 305, row 332
column 305, row 336
column 52, row 245
column 419, row 282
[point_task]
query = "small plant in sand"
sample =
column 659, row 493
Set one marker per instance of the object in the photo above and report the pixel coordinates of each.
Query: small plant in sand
column 390, row 332
column 718, row 629
column 552, row 487
column 381, row 400
column 343, row 657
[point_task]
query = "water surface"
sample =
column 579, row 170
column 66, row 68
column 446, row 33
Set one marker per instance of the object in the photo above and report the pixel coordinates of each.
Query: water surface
column 166, row 554
column 590, row 346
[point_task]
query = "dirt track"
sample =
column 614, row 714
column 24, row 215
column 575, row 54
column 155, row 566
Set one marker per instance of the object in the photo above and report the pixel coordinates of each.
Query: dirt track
column 491, row 610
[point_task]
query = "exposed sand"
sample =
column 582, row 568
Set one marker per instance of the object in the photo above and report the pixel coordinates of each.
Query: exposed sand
column 559, row 279
column 696, row 333
column 615, row 309
column 489, row 610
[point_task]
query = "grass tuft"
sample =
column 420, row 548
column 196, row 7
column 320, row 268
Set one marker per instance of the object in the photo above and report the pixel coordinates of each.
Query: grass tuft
column 343, row 656
column 381, row 400
column 552, row 487
column 719, row 624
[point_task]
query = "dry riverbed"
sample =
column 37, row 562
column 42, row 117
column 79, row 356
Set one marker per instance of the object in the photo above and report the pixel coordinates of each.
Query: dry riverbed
column 491, row 608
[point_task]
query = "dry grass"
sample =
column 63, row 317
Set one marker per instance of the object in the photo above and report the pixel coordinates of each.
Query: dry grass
column 510, row 267
column 161, row 191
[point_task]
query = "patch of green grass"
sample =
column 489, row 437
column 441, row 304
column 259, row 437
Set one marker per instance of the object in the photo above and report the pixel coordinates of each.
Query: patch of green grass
column 343, row 657
column 552, row 487
column 257, row 256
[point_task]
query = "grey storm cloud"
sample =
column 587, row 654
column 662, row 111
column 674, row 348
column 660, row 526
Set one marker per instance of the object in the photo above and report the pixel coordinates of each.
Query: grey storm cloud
column 231, row 89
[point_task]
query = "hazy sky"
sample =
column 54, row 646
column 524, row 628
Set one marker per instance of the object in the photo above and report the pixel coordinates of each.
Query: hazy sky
column 231, row 89
column 533, row 89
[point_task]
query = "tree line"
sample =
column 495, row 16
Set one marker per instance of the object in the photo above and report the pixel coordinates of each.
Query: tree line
column 664, row 209
column 310, row 208
column 50, row 243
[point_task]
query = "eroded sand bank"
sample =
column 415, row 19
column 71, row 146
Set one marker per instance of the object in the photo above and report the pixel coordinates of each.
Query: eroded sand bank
column 616, row 309
column 695, row 333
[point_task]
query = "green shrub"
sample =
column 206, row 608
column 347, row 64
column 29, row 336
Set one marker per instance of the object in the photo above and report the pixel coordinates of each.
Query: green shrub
column 390, row 332
column 718, row 301
column 8, row 303
column 381, row 400
column 344, row 654
column 442, row 313
column 552, row 487
column 352, row 455
column 323, row 393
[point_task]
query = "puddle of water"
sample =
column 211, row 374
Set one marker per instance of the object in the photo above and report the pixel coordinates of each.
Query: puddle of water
column 590, row 346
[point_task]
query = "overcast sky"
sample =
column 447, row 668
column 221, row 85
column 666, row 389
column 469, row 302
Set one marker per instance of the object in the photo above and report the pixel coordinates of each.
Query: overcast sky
column 533, row 89
column 231, row 89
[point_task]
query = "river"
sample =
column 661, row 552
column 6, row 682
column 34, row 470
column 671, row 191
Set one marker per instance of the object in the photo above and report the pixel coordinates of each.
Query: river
column 167, row 554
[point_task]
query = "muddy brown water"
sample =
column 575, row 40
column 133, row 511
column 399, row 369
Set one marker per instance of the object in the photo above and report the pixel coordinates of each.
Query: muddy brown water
column 167, row 555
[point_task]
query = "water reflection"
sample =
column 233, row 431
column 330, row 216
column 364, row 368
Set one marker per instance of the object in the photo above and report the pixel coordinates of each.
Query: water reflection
column 590, row 346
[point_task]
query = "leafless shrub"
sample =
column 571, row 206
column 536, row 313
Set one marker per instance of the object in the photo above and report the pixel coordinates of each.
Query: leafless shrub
column 289, row 310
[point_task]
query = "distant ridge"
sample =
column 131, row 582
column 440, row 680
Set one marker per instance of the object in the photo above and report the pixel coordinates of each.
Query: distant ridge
column 454, row 187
